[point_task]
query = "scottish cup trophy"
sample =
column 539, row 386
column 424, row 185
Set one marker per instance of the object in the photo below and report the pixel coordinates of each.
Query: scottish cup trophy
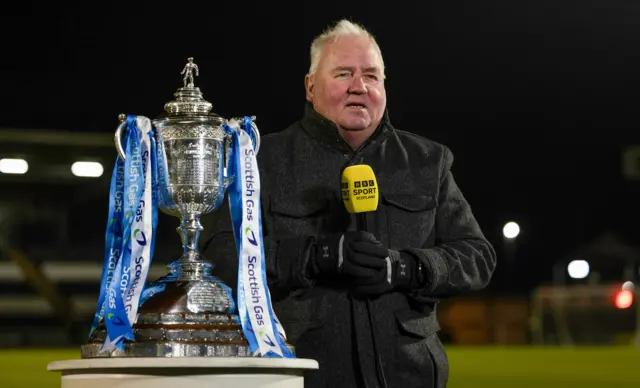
column 188, row 312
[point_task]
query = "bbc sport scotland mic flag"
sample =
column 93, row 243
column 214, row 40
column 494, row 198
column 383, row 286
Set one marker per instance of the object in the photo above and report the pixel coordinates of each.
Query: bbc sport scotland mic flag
column 259, row 322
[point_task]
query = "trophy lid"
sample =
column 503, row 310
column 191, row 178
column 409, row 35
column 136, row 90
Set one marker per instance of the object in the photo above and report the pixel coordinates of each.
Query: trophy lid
column 188, row 99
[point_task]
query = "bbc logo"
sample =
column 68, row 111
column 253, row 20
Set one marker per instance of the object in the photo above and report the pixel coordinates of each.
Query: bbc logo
column 369, row 183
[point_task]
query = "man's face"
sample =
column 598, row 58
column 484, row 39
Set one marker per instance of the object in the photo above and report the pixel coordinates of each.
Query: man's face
column 348, row 86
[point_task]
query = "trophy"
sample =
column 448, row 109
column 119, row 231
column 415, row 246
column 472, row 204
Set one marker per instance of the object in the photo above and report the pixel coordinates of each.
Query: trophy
column 188, row 312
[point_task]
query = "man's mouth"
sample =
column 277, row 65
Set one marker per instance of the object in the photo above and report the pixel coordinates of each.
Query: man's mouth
column 355, row 105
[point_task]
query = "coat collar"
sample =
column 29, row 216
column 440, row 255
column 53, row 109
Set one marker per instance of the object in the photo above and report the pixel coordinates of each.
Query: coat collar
column 325, row 131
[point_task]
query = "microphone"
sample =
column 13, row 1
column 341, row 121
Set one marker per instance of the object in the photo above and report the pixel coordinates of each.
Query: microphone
column 360, row 195
column 359, row 192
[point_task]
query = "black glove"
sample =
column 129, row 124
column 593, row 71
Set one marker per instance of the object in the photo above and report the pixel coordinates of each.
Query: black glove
column 399, row 272
column 369, row 267
column 335, row 256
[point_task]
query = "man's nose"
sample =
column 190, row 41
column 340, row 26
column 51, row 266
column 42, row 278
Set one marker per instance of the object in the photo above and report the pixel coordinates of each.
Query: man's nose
column 357, row 86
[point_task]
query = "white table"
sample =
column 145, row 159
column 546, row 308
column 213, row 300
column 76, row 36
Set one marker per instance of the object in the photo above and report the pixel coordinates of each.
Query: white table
column 183, row 372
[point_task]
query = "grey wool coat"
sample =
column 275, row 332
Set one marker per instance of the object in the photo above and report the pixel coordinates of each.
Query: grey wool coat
column 390, row 340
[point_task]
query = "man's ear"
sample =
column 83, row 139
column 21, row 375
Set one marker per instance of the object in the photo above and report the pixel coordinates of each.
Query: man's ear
column 309, row 86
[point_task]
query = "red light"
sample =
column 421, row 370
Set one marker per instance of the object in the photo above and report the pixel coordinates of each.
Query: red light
column 624, row 299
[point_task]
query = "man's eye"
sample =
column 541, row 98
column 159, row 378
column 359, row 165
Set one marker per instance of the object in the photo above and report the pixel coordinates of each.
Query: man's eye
column 342, row 75
column 372, row 76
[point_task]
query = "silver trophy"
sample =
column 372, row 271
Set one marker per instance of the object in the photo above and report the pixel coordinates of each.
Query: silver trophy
column 188, row 312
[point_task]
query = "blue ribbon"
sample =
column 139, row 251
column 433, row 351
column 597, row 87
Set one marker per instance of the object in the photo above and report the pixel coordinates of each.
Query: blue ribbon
column 258, row 320
column 113, row 237
column 124, row 278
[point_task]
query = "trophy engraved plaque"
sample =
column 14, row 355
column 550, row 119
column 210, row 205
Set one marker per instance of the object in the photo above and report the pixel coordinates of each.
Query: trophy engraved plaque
column 188, row 312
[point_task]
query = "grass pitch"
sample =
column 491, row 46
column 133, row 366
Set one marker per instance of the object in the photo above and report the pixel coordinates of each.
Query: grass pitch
column 552, row 367
column 471, row 367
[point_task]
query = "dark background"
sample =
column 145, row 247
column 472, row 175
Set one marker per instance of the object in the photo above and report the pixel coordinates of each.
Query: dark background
column 536, row 99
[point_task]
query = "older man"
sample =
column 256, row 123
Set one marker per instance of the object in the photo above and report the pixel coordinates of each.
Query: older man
column 330, row 286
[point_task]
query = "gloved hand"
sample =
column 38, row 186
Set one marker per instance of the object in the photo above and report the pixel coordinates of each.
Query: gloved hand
column 400, row 271
column 369, row 267
column 334, row 255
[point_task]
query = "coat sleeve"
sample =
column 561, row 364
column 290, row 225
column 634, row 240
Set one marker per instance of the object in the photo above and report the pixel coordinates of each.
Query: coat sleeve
column 286, row 258
column 462, row 258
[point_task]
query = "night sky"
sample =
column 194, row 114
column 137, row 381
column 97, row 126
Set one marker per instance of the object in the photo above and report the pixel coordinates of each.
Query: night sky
column 536, row 99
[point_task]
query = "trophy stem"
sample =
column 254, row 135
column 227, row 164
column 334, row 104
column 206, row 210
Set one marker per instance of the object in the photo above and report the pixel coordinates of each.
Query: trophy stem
column 190, row 234
column 191, row 266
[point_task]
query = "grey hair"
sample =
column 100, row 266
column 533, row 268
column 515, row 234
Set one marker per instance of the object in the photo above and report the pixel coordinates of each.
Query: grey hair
column 341, row 28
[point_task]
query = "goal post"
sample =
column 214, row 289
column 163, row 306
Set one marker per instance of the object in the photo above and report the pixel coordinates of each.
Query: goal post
column 603, row 314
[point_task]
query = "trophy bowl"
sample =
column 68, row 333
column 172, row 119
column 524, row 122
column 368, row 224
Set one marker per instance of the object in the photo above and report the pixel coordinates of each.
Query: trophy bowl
column 188, row 312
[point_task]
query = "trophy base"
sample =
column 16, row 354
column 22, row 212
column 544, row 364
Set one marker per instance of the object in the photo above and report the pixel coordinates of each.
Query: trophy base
column 167, row 349
column 187, row 313
column 179, row 316
column 176, row 335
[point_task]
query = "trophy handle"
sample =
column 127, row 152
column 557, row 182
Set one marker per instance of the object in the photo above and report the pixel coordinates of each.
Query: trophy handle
column 117, row 137
column 257, row 134
column 227, row 179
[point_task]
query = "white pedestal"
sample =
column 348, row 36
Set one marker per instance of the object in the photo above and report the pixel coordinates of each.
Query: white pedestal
column 183, row 372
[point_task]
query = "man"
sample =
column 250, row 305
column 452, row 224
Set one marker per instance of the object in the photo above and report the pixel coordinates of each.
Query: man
column 330, row 285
